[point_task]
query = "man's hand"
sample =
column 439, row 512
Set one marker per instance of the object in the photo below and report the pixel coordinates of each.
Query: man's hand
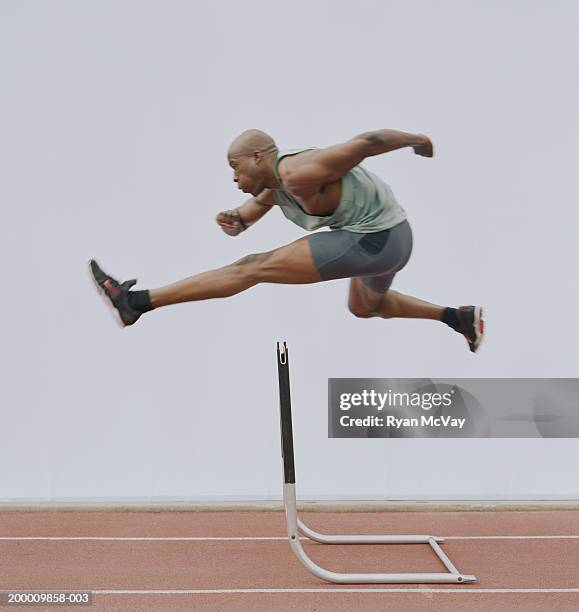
column 230, row 222
column 425, row 147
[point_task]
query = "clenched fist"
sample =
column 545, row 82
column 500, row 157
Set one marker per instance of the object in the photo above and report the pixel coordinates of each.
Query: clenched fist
column 230, row 222
column 423, row 146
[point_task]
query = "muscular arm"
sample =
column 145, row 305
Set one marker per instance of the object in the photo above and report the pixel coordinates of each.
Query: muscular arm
column 252, row 210
column 235, row 221
column 330, row 164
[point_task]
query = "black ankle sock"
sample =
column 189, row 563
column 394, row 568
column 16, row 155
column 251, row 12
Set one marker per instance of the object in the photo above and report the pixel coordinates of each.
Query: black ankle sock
column 450, row 317
column 140, row 301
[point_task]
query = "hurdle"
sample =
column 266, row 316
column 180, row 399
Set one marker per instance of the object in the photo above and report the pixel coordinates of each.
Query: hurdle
column 295, row 526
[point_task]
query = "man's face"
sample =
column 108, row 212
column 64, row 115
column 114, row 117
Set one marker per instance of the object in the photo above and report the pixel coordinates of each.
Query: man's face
column 247, row 172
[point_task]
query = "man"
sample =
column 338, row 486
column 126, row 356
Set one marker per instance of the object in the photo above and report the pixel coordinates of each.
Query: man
column 370, row 239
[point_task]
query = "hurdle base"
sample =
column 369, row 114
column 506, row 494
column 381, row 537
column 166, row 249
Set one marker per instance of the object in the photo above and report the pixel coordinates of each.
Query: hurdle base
column 296, row 526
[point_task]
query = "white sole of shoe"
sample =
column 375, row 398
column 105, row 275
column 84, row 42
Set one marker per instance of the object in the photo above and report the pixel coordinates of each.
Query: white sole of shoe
column 106, row 300
column 478, row 326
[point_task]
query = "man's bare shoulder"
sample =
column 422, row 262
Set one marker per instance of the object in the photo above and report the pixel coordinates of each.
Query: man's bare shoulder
column 294, row 172
column 290, row 163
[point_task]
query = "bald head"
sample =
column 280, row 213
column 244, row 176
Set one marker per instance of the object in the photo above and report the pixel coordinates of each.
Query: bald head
column 252, row 156
column 251, row 141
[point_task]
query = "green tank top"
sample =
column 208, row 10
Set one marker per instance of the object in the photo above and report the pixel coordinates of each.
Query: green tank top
column 367, row 204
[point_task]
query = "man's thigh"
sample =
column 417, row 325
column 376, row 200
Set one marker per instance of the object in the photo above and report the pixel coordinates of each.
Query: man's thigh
column 375, row 256
column 291, row 264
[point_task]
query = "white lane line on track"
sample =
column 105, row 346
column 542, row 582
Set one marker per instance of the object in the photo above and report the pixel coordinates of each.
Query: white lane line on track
column 252, row 538
column 148, row 539
column 513, row 537
column 328, row 590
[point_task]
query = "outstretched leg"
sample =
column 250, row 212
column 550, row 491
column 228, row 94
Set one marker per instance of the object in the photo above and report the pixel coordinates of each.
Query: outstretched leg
column 290, row 264
column 365, row 303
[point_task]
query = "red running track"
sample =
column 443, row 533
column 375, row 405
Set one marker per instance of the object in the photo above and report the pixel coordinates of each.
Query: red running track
column 523, row 560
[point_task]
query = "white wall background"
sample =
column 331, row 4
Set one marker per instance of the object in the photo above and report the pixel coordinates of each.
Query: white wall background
column 114, row 122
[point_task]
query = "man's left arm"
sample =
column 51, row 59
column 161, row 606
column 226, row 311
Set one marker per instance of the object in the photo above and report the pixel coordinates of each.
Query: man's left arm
column 330, row 164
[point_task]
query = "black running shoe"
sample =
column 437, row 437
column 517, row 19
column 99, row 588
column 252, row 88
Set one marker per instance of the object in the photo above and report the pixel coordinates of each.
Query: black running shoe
column 115, row 294
column 471, row 325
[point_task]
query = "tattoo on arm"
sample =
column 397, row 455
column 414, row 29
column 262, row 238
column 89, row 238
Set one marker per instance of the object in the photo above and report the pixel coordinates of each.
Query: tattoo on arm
column 383, row 141
column 374, row 138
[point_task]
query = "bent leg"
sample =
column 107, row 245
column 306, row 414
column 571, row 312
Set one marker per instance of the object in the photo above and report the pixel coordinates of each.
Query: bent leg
column 290, row 264
column 365, row 303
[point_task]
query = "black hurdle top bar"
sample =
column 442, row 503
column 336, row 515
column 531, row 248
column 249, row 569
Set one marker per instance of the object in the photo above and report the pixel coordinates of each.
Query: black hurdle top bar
column 285, row 413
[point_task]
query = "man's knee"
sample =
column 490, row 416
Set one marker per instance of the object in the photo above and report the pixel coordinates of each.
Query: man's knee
column 361, row 313
column 365, row 305
column 252, row 266
column 362, row 309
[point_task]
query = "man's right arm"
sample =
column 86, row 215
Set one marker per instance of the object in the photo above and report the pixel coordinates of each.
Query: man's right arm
column 235, row 221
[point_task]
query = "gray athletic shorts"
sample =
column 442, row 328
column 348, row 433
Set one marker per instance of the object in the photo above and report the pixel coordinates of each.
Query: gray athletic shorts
column 375, row 258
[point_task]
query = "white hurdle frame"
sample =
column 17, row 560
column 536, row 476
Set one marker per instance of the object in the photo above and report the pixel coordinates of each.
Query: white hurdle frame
column 296, row 527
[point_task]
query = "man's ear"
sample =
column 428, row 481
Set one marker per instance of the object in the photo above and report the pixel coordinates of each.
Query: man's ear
column 257, row 156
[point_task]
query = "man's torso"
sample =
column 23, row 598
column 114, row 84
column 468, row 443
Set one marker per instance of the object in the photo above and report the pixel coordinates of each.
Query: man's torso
column 359, row 201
